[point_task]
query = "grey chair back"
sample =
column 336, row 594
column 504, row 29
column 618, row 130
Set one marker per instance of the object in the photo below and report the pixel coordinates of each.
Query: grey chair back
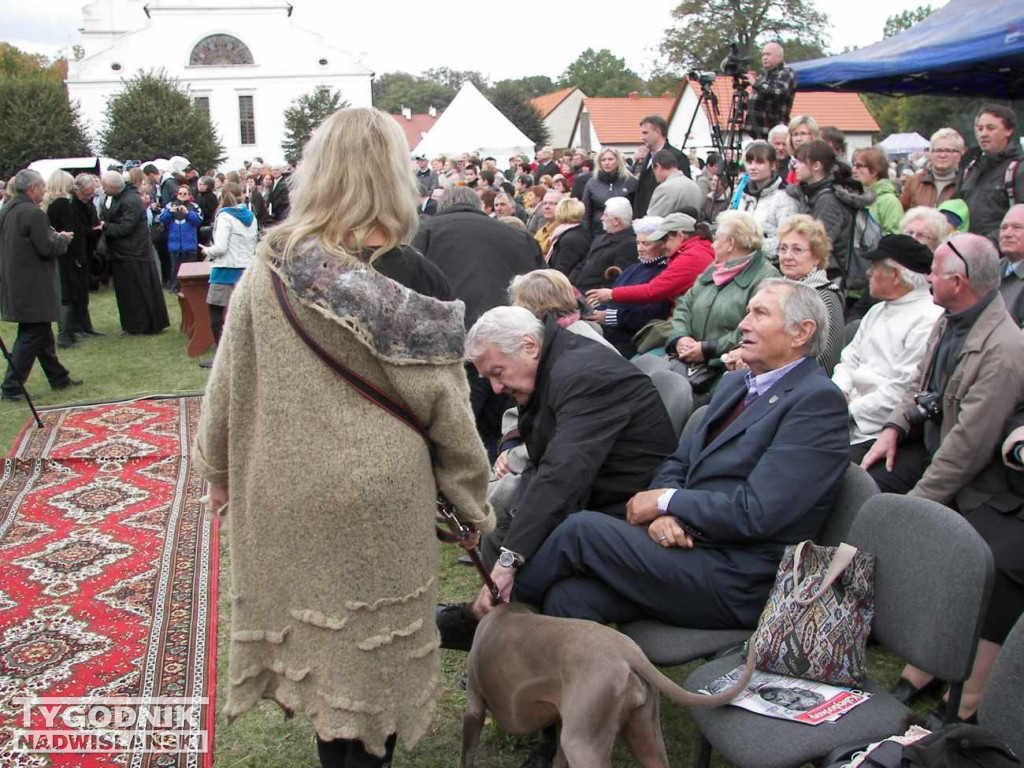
column 693, row 422
column 677, row 395
column 933, row 577
column 856, row 487
column 650, row 363
column 1002, row 706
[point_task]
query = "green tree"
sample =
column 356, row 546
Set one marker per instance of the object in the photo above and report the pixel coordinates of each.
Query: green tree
column 704, row 28
column 304, row 116
column 601, row 73
column 901, row 22
column 511, row 103
column 394, row 90
column 154, row 117
column 37, row 122
column 529, row 87
column 799, row 50
column 16, row 63
column 454, row 78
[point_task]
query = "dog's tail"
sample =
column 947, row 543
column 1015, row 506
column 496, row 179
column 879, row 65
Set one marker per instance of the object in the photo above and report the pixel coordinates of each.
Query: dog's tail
column 685, row 698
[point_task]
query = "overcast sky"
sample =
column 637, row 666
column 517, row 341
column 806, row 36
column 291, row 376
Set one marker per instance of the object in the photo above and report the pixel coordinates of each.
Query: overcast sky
column 411, row 37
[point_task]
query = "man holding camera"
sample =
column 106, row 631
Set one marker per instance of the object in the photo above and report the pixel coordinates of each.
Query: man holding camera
column 772, row 98
column 971, row 377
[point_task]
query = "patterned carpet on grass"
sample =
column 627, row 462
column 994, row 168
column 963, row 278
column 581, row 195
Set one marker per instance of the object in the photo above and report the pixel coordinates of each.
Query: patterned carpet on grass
column 107, row 569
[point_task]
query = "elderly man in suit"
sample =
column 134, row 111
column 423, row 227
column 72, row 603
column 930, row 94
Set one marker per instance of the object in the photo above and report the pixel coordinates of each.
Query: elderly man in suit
column 701, row 547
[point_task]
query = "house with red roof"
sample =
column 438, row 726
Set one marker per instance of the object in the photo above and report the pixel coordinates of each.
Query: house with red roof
column 615, row 122
column 845, row 111
column 559, row 110
column 416, row 126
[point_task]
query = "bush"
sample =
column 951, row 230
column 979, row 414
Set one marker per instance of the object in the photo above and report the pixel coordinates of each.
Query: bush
column 37, row 122
column 155, row 117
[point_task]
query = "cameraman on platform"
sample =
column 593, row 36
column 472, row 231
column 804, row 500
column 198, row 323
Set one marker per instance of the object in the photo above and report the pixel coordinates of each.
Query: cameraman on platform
column 772, row 98
column 969, row 381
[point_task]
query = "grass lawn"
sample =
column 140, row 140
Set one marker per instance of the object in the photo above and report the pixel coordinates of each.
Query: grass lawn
column 116, row 367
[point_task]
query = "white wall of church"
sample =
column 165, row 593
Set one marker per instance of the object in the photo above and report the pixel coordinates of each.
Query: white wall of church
column 286, row 64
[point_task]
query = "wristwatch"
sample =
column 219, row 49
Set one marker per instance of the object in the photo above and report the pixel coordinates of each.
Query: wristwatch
column 510, row 559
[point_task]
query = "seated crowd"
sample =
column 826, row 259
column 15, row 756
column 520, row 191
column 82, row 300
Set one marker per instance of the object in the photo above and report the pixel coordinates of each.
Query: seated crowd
column 580, row 272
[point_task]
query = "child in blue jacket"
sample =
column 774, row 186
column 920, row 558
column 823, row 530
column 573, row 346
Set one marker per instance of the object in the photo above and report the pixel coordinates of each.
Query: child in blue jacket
column 182, row 219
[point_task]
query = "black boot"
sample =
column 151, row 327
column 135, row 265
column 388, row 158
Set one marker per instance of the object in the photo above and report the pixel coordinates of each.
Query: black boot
column 457, row 626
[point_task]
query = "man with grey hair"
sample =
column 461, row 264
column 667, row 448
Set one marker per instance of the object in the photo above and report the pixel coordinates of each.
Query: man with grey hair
column 545, row 163
column 29, row 287
column 771, row 98
column 946, row 429
column 616, row 248
column 760, row 472
column 1011, row 249
column 878, row 366
column 479, row 256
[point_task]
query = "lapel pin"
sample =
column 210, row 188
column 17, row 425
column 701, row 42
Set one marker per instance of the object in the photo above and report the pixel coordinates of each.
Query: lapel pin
column 773, row 400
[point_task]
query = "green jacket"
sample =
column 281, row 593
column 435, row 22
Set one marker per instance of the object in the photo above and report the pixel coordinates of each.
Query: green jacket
column 887, row 209
column 710, row 314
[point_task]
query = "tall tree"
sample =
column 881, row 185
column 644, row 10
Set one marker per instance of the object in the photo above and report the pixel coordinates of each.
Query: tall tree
column 154, row 117
column 37, row 122
column 530, row 87
column 901, row 22
column 513, row 105
column 16, row 63
column 394, row 90
column 704, row 28
column 601, row 73
column 454, row 78
column 304, row 116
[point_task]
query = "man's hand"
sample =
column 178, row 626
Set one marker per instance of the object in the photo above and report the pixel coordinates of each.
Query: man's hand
column 599, row 296
column 733, row 361
column 503, row 578
column 471, row 541
column 501, row 466
column 751, row 77
column 667, row 532
column 218, row 499
column 643, row 507
column 69, row 236
column 885, row 445
column 597, row 316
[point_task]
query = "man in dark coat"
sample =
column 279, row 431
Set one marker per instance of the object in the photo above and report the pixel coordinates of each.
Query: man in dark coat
column 615, row 248
column 700, row 548
column 29, row 286
column 653, row 133
column 278, row 203
column 133, row 262
column 594, row 426
column 479, row 256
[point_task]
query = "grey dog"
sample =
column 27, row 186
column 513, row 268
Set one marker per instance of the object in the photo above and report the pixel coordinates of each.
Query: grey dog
column 531, row 670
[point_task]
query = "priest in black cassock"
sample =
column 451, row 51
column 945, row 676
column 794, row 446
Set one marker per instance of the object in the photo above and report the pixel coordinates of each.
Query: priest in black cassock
column 136, row 274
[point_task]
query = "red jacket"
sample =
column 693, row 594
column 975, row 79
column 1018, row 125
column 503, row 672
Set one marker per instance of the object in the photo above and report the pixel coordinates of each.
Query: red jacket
column 684, row 267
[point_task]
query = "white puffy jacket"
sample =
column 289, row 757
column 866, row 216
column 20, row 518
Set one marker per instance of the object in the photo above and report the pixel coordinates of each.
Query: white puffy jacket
column 234, row 243
column 770, row 208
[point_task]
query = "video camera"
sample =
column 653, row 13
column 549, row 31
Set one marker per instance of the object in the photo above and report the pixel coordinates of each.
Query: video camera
column 735, row 65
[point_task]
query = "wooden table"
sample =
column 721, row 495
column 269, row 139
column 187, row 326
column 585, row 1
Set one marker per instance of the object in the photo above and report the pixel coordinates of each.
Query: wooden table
column 194, row 277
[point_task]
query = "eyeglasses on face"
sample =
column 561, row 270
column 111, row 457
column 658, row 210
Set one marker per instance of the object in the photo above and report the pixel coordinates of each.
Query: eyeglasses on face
column 796, row 250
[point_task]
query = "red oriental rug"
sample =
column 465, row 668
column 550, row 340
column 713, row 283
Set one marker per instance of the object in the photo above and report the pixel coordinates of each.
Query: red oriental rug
column 108, row 571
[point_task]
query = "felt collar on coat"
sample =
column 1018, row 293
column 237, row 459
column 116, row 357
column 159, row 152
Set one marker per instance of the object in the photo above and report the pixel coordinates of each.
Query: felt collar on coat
column 395, row 323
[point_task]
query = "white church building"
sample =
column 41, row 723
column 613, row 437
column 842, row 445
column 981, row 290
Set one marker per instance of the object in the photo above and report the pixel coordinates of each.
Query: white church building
column 242, row 60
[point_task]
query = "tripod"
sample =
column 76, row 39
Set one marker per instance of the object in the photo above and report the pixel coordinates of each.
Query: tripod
column 728, row 144
column 21, row 383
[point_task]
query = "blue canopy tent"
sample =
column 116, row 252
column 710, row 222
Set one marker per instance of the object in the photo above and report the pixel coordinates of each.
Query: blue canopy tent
column 967, row 48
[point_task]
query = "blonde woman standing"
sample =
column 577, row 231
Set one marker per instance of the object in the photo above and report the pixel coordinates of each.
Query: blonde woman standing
column 612, row 179
column 331, row 497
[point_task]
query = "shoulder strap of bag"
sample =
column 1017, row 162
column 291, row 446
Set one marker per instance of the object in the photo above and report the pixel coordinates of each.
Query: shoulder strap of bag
column 361, row 385
column 1008, row 179
column 843, row 557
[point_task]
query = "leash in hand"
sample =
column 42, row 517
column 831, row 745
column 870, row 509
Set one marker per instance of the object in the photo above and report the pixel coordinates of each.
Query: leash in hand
column 458, row 534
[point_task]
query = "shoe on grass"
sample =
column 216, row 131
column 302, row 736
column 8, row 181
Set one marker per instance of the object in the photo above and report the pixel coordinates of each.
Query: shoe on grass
column 68, row 382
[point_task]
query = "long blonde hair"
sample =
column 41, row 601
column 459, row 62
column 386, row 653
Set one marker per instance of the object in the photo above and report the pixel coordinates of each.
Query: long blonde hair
column 354, row 180
column 57, row 186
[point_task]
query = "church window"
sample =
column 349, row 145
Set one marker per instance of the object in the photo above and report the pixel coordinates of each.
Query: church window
column 220, row 51
column 247, row 120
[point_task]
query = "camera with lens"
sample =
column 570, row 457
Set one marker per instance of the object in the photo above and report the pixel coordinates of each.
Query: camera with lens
column 705, row 78
column 735, row 65
column 927, row 407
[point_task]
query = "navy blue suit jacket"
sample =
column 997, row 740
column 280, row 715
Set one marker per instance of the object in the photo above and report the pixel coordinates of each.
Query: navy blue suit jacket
column 768, row 480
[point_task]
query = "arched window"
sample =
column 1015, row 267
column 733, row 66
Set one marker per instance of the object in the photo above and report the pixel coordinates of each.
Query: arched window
column 220, row 51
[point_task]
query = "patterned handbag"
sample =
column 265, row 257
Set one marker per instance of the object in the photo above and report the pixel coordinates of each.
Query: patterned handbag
column 818, row 617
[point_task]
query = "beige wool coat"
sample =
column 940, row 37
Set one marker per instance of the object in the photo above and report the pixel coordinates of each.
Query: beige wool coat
column 331, row 510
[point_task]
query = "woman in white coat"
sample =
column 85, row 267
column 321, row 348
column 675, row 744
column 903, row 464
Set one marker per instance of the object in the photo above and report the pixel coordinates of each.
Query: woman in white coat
column 234, row 244
column 764, row 195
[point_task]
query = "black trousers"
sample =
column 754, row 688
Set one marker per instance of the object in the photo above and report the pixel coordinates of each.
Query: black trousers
column 34, row 340
column 345, row 753
column 912, row 459
column 216, row 320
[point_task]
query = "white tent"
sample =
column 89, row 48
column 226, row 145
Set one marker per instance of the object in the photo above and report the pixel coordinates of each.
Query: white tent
column 904, row 143
column 472, row 124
